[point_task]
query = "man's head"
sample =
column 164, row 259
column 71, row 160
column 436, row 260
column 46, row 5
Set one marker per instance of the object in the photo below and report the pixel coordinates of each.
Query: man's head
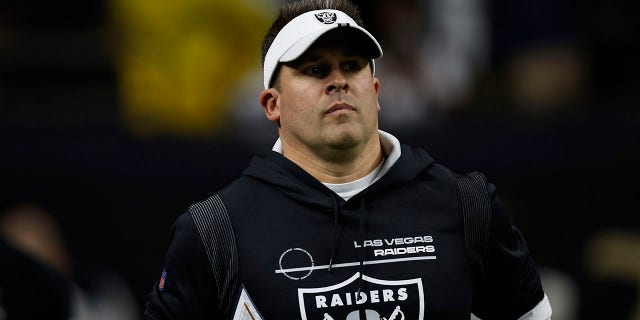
column 319, row 87
column 301, row 23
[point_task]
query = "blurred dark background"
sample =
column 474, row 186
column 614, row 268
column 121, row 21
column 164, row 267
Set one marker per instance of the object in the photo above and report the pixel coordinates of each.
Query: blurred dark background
column 115, row 116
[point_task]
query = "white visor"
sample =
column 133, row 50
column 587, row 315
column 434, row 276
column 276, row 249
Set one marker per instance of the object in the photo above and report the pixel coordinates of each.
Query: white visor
column 301, row 32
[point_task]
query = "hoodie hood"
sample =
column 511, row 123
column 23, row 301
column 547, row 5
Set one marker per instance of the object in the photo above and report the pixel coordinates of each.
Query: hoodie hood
column 299, row 185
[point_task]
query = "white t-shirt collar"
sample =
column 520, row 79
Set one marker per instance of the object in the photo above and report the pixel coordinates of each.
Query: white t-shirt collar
column 391, row 149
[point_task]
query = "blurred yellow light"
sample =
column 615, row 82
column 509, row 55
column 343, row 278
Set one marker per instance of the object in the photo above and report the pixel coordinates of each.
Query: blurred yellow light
column 180, row 62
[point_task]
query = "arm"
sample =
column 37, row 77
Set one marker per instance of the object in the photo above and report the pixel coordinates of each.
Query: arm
column 188, row 290
column 512, row 288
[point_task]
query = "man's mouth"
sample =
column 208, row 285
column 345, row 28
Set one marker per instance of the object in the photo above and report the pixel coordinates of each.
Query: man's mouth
column 340, row 108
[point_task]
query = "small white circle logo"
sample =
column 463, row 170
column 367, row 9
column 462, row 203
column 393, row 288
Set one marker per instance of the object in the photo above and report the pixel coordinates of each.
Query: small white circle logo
column 327, row 17
column 288, row 272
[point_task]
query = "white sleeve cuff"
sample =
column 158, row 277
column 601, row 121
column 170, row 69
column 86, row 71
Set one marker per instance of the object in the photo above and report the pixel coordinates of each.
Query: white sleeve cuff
column 542, row 311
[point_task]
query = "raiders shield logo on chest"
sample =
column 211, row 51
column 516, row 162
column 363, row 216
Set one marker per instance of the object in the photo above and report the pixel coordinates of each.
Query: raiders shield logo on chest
column 376, row 299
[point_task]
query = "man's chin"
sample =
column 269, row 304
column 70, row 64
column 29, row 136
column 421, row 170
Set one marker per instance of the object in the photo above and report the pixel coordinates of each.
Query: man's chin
column 344, row 139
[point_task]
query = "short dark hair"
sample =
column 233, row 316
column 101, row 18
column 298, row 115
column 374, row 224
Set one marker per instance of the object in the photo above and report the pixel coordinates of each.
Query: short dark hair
column 296, row 8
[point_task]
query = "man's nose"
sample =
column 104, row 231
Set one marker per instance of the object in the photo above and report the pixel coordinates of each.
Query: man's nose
column 336, row 82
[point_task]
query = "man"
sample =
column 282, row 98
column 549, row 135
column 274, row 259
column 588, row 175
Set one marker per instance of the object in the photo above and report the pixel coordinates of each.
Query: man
column 340, row 221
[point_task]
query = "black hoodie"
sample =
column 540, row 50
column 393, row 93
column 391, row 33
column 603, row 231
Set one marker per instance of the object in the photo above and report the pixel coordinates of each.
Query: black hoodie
column 396, row 250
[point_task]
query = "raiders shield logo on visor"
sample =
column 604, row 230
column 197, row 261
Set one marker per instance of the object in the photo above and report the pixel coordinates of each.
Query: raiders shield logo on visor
column 326, row 17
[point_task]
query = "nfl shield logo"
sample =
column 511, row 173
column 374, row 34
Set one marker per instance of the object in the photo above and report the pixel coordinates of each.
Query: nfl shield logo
column 380, row 299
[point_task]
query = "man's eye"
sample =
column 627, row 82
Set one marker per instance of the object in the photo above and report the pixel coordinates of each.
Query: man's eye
column 354, row 65
column 314, row 70
column 350, row 66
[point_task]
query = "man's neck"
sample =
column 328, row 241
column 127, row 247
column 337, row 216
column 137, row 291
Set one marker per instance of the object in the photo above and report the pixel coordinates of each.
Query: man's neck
column 334, row 169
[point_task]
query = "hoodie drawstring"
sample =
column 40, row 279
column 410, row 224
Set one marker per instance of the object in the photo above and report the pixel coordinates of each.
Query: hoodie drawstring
column 336, row 233
column 361, row 235
column 361, row 232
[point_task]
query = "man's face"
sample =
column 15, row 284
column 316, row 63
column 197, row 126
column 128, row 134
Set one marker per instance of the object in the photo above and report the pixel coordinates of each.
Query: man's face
column 326, row 100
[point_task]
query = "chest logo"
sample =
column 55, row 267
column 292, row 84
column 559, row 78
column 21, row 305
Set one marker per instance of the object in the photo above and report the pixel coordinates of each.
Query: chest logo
column 378, row 299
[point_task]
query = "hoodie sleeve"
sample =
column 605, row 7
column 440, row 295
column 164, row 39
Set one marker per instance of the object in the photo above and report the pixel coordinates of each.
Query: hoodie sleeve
column 511, row 288
column 186, row 289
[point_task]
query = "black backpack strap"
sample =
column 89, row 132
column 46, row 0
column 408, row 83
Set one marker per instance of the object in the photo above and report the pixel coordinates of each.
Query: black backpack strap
column 476, row 211
column 214, row 226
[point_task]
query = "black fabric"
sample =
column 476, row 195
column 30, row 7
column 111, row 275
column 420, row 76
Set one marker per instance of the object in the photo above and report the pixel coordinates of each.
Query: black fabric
column 413, row 260
column 484, row 245
column 476, row 210
column 512, row 278
column 189, row 290
column 214, row 227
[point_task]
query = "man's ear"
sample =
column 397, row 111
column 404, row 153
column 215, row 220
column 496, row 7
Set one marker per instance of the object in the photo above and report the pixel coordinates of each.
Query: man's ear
column 376, row 86
column 269, row 102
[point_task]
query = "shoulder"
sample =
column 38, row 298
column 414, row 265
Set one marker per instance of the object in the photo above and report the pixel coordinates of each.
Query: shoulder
column 186, row 287
column 185, row 241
